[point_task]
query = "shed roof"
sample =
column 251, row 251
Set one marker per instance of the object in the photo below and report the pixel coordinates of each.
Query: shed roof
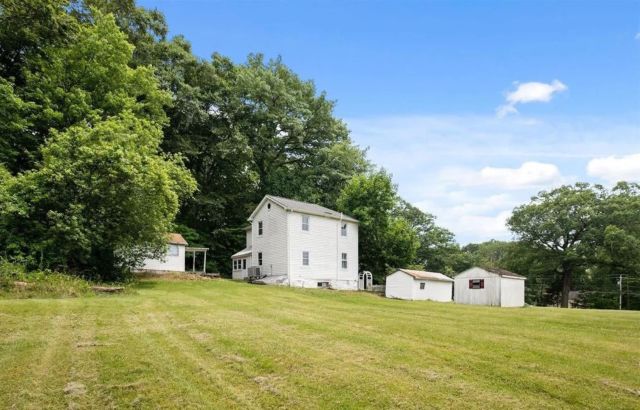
column 504, row 272
column 176, row 239
column 424, row 275
column 305, row 208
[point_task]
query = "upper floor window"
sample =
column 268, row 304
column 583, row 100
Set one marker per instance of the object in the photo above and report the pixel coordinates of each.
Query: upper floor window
column 305, row 258
column 259, row 228
column 173, row 250
column 259, row 258
column 344, row 260
column 343, row 230
column 305, row 222
column 476, row 283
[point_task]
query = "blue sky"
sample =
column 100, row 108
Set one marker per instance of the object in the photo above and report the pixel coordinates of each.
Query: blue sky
column 473, row 106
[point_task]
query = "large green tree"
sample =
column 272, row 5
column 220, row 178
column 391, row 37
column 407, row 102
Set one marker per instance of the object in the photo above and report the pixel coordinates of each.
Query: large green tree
column 88, row 189
column 102, row 199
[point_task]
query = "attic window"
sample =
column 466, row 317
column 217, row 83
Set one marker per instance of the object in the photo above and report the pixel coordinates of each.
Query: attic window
column 269, row 205
column 476, row 283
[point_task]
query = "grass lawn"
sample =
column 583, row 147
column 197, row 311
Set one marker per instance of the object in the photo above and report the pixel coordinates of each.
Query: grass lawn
column 221, row 344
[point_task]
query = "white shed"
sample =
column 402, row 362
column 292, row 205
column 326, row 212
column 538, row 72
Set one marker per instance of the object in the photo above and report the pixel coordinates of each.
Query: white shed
column 489, row 286
column 418, row 285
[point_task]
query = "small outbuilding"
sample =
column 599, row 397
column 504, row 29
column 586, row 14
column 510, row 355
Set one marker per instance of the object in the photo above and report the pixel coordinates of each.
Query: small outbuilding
column 489, row 286
column 418, row 285
column 173, row 260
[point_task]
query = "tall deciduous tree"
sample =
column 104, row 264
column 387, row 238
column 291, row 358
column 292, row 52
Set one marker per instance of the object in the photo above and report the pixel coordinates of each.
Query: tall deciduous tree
column 560, row 222
column 98, row 194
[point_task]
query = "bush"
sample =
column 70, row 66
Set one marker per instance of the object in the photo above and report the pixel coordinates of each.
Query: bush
column 16, row 282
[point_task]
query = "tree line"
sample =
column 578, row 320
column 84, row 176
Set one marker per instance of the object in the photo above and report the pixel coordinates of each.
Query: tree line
column 112, row 134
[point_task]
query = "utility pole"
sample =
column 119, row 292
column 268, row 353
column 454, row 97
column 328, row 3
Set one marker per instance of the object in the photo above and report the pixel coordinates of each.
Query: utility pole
column 620, row 299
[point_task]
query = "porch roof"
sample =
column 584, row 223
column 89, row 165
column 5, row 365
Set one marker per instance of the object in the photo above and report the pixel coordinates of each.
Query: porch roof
column 245, row 252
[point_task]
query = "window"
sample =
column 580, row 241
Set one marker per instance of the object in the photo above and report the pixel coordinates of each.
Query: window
column 343, row 230
column 305, row 222
column 259, row 228
column 244, row 264
column 344, row 260
column 421, row 285
column 305, row 258
column 323, row 284
column 235, row 264
column 269, row 205
column 173, row 250
column 476, row 283
column 259, row 258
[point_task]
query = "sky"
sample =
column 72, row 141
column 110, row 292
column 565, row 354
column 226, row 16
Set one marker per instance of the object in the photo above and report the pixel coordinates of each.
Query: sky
column 473, row 106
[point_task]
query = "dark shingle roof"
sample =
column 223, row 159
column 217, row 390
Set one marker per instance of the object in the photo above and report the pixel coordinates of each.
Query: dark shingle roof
column 308, row 208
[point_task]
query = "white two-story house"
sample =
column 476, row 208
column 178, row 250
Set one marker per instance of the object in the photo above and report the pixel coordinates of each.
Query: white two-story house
column 300, row 244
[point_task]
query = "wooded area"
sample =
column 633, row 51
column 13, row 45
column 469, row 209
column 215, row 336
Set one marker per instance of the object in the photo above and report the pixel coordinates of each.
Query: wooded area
column 112, row 134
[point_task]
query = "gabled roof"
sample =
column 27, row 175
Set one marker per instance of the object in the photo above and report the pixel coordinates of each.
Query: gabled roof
column 420, row 274
column 504, row 272
column 493, row 271
column 303, row 207
column 176, row 239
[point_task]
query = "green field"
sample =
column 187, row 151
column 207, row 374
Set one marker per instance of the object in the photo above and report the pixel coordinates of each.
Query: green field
column 221, row 344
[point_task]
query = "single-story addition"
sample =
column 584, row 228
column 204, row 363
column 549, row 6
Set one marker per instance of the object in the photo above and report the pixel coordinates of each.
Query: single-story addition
column 489, row 286
column 242, row 260
column 418, row 285
column 174, row 259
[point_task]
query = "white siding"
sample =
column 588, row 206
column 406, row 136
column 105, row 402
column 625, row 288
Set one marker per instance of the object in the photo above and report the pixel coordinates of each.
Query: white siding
column 511, row 292
column 248, row 236
column 167, row 263
column 325, row 245
column 273, row 241
column 399, row 285
column 490, row 295
column 240, row 274
column 433, row 290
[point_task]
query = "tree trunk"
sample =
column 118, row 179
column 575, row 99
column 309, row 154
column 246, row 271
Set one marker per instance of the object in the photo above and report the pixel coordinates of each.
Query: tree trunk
column 566, row 287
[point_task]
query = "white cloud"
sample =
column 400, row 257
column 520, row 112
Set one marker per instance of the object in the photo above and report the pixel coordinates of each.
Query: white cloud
column 528, row 175
column 616, row 168
column 527, row 93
